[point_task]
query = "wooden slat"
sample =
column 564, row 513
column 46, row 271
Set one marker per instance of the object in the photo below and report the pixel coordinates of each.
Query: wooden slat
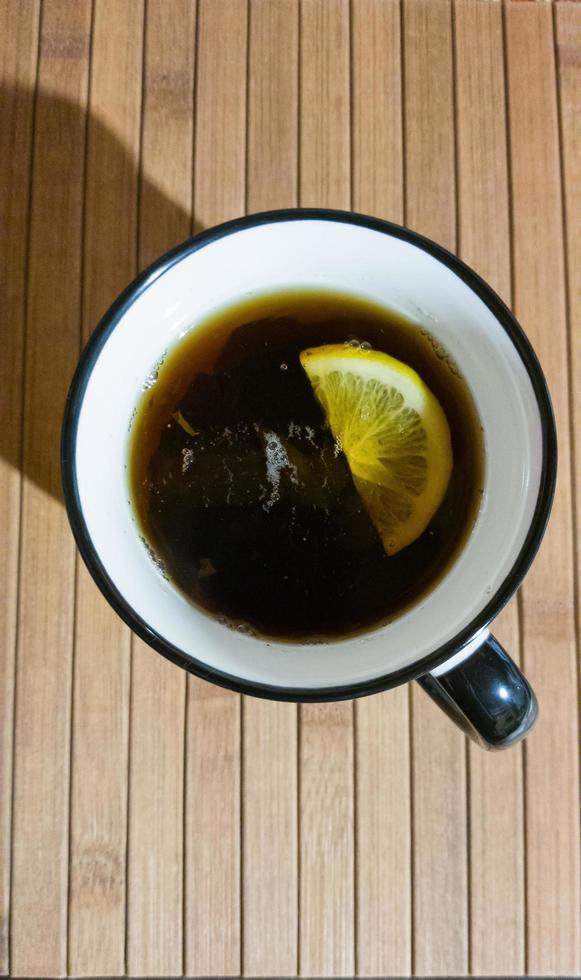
column 212, row 902
column 483, row 202
column 325, row 171
column 568, row 38
column 382, row 762
column 101, row 693
column 154, row 910
column 18, row 61
column 270, row 839
column 220, row 111
column 269, row 801
column 326, row 909
column 429, row 120
column 376, row 92
column 158, row 689
column 272, row 123
column 45, row 622
column 213, row 832
column 552, row 783
column 383, row 835
column 168, row 126
column 496, row 832
column 440, row 874
column 326, row 791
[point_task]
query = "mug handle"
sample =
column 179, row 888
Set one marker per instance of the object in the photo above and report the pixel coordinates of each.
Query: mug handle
column 485, row 693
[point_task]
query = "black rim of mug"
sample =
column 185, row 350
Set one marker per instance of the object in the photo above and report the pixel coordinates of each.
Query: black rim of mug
column 90, row 555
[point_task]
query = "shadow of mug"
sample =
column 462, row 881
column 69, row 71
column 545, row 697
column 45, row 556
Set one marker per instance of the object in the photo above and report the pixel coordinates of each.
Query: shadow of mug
column 80, row 217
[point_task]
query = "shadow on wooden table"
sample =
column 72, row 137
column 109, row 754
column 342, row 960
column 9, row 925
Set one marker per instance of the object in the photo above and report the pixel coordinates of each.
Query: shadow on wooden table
column 79, row 218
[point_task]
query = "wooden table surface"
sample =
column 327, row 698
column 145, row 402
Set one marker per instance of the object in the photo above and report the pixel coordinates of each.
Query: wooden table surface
column 151, row 824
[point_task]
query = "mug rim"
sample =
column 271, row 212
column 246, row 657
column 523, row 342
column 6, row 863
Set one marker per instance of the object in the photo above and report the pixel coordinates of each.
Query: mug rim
column 138, row 625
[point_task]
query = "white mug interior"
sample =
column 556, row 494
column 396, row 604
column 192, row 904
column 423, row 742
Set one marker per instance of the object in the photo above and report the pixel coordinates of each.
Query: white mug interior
column 367, row 262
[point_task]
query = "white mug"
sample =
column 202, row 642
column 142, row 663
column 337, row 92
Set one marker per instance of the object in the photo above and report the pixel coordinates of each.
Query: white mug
column 443, row 640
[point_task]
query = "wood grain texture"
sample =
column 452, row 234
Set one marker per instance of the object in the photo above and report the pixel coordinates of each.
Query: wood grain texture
column 47, row 568
column 156, row 807
column 376, row 94
column 483, row 192
column 326, row 791
column 18, row 61
column 270, row 866
column 213, row 856
column 272, row 124
column 156, row 790
column 382, row 763
column 552, row 784
column 213, row 831
column 97, row 894
column 220, row 165
column 568, row 40
column 356, row 846
column 269, row 800
column 324, row 125
column 440, row 873
column 168, row 127
column 326, row 908
column 384, row 921
column 429, row 120
column 497, row 906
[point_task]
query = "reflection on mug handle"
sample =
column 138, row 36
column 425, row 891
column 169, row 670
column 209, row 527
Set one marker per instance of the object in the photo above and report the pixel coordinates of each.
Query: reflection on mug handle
column 485, row 694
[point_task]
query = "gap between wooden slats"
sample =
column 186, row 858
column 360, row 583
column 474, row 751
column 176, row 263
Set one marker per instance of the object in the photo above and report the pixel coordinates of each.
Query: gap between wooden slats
column 326, row 790
column 47, row 565
column 552, row 782
column 496, row 832
column 269, row 798
column 155, row 924
column 213, row 737
column 97, row 892
column 18, row 64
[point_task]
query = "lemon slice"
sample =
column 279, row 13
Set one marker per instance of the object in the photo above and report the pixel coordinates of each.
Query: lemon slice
column 393, row 432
